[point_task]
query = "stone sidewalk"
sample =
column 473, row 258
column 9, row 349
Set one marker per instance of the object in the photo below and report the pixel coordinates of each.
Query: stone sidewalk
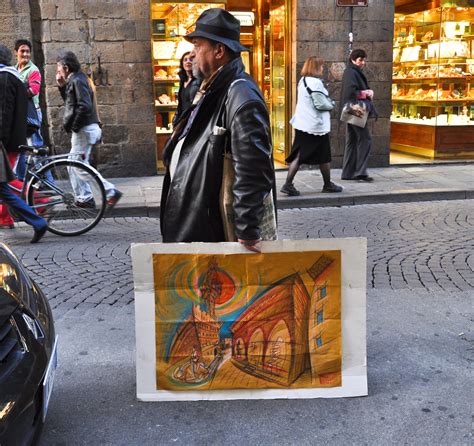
column 391, row 185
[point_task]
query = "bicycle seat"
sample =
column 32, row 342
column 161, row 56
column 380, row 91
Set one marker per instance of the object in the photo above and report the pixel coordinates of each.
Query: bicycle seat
column 40, row 150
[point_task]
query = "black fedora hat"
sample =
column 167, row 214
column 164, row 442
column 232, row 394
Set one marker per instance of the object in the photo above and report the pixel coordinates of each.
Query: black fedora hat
column 219, row 25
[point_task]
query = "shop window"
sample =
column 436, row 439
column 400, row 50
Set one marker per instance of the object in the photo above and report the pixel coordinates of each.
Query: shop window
column 432, row 89
column 170, row 22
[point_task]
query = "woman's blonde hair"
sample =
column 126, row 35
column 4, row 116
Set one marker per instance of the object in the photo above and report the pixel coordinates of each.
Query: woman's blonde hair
column 313, row 67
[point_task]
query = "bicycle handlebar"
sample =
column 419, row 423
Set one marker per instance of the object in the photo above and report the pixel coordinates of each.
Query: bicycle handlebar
column 43, row 150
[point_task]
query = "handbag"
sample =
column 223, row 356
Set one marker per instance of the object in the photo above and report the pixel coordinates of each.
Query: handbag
column 355, row 113
column 268, row 224
column 32, row 119
column 321, row 101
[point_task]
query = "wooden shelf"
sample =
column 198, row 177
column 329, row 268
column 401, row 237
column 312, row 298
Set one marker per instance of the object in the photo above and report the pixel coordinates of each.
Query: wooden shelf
column 445, row 39
column 429, row 79
column 166, row 108
column 165, row 81
column 432, row 103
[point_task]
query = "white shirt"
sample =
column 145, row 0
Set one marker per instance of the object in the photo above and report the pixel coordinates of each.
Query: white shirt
column 307, row 118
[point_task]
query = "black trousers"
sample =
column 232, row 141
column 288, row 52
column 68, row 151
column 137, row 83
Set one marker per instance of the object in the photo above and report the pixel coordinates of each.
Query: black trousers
column 357, row 150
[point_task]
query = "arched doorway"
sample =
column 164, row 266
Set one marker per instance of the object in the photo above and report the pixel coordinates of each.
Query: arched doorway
column 278, row 354
column 239, row 350
column 256, row 347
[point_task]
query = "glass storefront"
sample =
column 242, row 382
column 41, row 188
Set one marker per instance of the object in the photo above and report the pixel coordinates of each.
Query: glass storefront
column 264, row 30
column 433, row 90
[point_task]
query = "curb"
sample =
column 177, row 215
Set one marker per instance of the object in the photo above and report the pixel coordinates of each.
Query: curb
column 135, row 210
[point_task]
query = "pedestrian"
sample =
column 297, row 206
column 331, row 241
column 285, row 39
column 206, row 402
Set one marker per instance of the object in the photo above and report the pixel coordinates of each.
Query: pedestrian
column 13, row 105
column 312, row 143
column 228, row 101
column 81, row 118
column 31, row 77
column 358, row 140
column 188, row 85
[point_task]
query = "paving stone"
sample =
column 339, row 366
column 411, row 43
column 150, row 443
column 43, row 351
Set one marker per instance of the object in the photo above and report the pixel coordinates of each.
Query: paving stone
column 410, row 246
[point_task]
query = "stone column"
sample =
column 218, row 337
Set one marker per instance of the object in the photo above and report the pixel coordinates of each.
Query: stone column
column 118, row 32
column 15, row 22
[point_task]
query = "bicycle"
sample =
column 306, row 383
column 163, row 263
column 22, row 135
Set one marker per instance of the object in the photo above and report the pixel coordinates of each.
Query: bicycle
column 48, row 189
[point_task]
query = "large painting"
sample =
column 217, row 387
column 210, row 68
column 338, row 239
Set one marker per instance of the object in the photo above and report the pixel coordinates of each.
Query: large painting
column 228, row 323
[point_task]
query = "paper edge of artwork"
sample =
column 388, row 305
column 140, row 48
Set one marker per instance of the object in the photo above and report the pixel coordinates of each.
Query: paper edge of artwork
column 354, row 379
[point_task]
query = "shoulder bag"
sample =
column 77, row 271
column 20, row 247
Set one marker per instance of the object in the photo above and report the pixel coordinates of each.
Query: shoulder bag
column 355, row 113
column 321, row 102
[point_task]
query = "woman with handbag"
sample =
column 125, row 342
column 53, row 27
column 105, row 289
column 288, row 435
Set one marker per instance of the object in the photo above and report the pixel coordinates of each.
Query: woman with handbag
column 312, row 124
column 355, row 88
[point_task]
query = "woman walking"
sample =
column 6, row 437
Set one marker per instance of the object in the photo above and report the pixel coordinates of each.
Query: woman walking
column 311, row 144
column 358, row 140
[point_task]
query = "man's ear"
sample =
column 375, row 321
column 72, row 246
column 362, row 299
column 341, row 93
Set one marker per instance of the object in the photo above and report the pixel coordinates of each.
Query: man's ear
column 220, row 51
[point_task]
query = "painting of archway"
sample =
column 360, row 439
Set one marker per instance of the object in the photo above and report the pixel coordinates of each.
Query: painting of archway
column 278, row 354
column 239, row 350
column 256, row 347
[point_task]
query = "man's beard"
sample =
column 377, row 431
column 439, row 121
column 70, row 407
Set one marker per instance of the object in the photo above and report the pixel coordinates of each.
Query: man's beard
column 197, row 72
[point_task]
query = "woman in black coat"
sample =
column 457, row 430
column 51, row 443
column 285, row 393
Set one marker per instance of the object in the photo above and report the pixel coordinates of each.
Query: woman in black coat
column 188, row 85
column 358, row 140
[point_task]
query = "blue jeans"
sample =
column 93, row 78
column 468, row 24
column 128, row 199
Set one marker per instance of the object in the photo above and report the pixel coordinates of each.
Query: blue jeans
column 20, row 207
column 81, row 144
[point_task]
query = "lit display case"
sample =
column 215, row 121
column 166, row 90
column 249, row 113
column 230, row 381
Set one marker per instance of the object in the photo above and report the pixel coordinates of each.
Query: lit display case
column 170, row 22
column 433, row 87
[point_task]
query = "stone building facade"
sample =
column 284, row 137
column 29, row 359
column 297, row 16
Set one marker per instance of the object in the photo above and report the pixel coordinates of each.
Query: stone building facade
column 118, row 32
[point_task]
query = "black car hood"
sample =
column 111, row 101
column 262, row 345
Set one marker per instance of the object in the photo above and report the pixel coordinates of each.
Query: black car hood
column 7, row 306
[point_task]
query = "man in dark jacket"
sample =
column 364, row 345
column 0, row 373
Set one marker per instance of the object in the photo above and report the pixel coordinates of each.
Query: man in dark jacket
column 13, row 104
column 81, row 118
column 358, row 140
column 228, row 99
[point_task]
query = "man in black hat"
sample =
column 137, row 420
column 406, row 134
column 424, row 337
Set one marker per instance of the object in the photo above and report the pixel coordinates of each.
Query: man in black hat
column 228, row 113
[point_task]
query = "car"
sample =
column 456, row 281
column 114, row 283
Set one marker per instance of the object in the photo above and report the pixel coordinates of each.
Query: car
column 28, row 353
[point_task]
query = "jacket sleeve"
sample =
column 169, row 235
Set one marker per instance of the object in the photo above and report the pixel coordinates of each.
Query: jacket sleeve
column 252, row 159
column 351, row 87
column 7, row 108
column 34, row 83
column 84, row 105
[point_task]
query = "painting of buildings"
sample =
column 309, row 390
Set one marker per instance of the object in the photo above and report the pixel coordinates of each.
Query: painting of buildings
column 265, row 321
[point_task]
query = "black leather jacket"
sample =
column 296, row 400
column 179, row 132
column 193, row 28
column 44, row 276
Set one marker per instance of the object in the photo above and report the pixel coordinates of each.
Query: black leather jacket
column 79, row 108
column 190, row 202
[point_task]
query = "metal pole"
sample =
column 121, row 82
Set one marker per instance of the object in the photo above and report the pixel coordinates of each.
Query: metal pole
column 351, row 22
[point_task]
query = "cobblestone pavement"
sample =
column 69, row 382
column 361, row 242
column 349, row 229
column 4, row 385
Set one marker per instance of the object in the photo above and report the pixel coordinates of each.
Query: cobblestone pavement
column 410, row 245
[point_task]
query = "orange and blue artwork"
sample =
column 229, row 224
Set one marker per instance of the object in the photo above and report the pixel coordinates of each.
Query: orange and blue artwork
column 240, row 321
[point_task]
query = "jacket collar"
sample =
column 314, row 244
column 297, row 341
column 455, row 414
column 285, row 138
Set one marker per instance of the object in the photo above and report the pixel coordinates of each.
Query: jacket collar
column 227, row 74
column 11, row 70
column 27, row 66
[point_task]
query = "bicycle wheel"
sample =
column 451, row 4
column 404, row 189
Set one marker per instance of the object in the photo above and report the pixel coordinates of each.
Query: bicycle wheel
column 51, row 193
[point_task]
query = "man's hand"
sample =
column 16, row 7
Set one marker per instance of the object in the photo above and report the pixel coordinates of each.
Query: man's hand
column 252, row 245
